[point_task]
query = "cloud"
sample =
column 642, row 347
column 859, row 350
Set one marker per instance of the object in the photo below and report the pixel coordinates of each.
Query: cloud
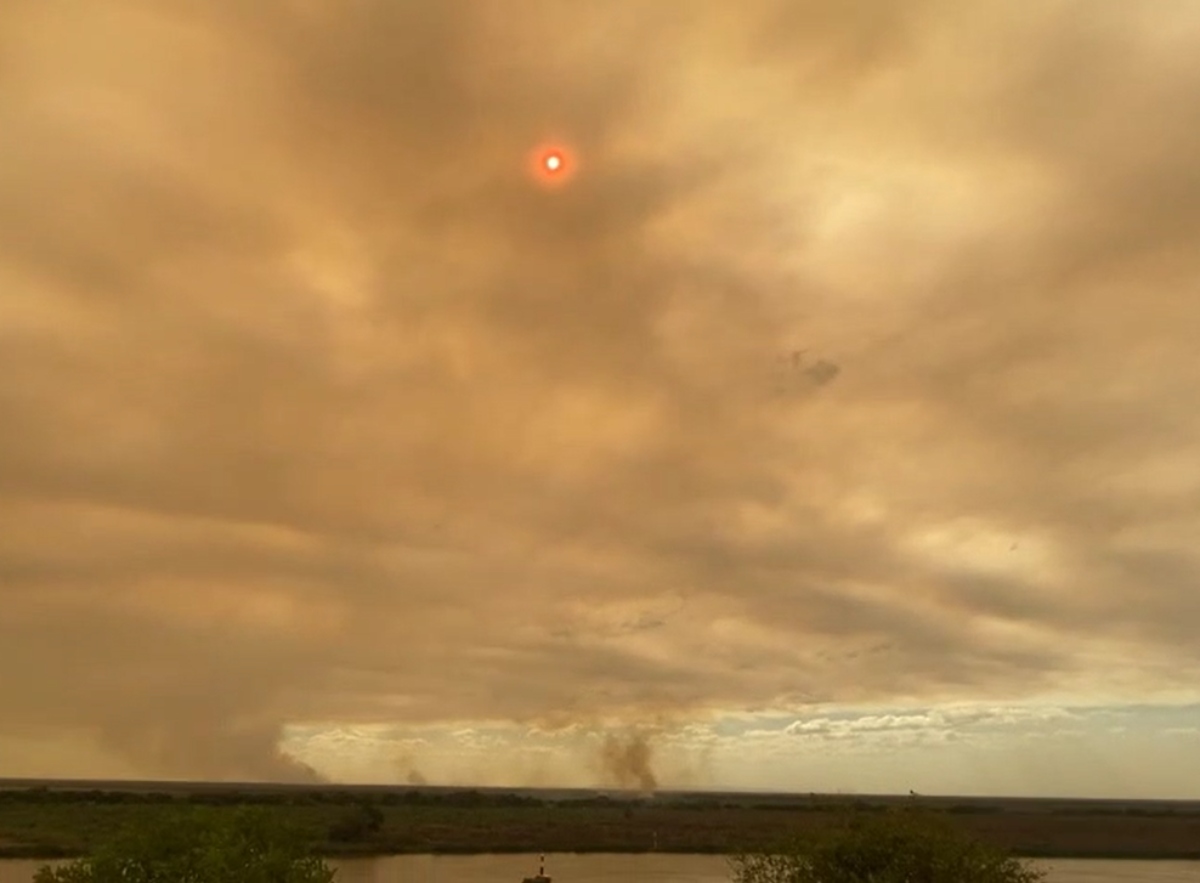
column 853, row 365
column 929, row 725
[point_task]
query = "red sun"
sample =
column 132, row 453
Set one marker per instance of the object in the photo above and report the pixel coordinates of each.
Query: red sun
column 552, row 165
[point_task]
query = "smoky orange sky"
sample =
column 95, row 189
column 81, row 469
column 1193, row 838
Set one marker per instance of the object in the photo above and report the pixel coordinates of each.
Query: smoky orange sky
column 833, row 426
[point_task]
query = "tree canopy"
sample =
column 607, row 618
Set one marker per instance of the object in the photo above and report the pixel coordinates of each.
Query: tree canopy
column 198, row 846
column 893, row 847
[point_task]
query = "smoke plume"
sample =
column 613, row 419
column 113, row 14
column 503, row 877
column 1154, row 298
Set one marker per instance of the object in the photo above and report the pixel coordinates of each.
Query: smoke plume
column 626, row 762
column 318, row 412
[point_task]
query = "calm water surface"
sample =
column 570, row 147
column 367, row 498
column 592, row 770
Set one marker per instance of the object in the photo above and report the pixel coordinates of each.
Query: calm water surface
column 643, row 869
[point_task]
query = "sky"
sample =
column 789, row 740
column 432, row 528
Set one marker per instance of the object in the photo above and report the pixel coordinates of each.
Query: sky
column 827, row 424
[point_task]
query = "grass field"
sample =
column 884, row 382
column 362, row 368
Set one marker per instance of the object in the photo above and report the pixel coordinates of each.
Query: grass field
column 47, row 823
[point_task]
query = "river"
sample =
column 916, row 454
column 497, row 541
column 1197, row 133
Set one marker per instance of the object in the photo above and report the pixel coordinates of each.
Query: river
column 657, row 868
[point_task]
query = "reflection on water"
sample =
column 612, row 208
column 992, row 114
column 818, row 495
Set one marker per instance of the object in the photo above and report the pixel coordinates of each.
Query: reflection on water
column 643, row 869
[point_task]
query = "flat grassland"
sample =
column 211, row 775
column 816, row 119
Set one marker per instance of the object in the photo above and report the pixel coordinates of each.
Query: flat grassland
column 52, row 820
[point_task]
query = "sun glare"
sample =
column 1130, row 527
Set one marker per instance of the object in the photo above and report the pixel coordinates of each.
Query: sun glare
column 552, row 165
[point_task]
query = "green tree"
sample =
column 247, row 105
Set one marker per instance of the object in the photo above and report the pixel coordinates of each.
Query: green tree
column 199, row 846
column 357, row 823
column 894, row 847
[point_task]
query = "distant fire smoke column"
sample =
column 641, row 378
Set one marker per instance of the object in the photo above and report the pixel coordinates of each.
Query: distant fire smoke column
column 407, row 771
column 627, row 762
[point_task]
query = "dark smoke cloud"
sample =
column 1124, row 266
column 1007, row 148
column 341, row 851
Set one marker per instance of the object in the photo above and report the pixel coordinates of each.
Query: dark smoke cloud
column 314, row 408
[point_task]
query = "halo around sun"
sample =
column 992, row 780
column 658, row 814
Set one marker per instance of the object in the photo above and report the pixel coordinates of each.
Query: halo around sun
column 552, row 164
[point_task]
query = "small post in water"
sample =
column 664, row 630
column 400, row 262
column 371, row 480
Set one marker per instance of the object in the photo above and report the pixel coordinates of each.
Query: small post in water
column 541, row 875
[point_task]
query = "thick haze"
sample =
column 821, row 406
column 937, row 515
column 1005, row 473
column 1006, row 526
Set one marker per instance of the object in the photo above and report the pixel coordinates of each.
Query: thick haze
column 855, row 367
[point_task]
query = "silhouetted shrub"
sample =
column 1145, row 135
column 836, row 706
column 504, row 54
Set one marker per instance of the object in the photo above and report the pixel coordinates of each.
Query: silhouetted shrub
column 250, row 846
column 887, row 848
column 357, row 824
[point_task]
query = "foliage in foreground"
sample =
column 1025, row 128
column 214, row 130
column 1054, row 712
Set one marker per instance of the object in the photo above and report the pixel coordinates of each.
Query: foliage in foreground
column 895, row 847
column 252, row 846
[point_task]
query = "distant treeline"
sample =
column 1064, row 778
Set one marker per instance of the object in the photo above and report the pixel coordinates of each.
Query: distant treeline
column 468, row 799
column 326, row 797
column 315, row 797
column 407, row 797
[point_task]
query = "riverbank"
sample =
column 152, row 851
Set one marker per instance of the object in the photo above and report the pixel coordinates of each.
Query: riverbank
column 41, row 824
